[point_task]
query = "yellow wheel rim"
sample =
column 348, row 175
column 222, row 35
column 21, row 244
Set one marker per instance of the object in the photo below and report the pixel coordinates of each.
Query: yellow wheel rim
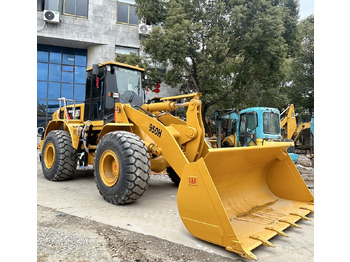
column 49, row 156
column 109, row 168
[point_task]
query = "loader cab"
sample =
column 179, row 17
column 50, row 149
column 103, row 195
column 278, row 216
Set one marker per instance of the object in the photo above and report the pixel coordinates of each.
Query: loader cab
column 111, row 77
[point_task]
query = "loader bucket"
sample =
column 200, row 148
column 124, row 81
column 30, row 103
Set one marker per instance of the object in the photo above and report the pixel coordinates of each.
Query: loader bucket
column 239, row 198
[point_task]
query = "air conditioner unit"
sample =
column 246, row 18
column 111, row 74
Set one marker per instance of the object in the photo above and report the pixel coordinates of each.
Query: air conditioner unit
column 144, row 29
column 51, row 16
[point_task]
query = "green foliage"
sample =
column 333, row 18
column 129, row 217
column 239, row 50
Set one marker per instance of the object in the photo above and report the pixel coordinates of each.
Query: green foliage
column 301, row 91
column 232, row 51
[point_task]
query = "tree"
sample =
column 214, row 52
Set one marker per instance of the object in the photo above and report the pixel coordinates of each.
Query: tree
column 301, row 91
column 232, row 51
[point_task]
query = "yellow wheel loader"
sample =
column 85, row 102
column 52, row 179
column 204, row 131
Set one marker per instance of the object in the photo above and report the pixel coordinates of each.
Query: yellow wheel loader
column 238, row 198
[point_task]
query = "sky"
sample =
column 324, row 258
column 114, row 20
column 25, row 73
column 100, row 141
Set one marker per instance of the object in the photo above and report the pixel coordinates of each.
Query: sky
column 306, row 8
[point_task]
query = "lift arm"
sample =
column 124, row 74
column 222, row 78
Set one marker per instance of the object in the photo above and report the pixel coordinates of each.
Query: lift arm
column 179, row 142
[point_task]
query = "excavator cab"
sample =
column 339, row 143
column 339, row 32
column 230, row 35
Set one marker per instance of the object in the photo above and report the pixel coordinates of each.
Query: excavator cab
column 257, row 125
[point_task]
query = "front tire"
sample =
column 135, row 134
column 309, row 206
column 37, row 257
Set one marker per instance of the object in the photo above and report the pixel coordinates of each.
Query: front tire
column 122, row 167
column 59, row 158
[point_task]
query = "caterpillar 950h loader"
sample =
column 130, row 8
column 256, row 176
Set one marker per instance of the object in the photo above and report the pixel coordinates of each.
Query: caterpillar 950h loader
column 238, row 198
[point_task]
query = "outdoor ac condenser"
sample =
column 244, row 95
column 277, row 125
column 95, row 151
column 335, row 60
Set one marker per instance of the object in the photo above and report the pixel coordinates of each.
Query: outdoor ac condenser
column 144, row 29
column 51, row 16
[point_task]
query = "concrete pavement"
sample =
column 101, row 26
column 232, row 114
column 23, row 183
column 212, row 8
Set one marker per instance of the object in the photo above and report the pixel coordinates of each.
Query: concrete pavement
column 156, row 214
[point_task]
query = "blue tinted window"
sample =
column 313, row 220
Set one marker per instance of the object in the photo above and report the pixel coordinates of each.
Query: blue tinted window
column 52, row 106
column 41, row 107
column 80, row 75
column 79, row 92
column 54, row 72
column 67, row 90
column 54, row 90
column 42, row 53
column 55, row 55
column 68, row 56
column 42, row 71
column 67, row 68
column 80, row 57
column 67, row 77
column 61, row 72
column 42, row 56
column 42, row 89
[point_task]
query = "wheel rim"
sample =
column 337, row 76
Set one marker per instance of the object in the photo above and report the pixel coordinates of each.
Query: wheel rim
column 49, row 156
column 109, row 168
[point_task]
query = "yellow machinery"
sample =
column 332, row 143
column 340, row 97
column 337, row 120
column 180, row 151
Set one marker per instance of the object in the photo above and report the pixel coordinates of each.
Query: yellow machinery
column 238, row 198
column 289, row 127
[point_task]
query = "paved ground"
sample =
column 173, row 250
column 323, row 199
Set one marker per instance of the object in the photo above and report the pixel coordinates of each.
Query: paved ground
column 154, row 215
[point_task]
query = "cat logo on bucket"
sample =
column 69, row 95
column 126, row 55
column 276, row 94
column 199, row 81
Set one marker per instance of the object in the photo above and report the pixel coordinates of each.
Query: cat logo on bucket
column 192, row 180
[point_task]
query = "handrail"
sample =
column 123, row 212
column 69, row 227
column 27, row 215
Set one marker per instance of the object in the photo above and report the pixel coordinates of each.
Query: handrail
column 64, row 100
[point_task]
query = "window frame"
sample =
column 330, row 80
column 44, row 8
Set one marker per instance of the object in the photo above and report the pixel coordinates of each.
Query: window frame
column 128, row 23
column 64, row 10
column 57, row 86
column 269, row 132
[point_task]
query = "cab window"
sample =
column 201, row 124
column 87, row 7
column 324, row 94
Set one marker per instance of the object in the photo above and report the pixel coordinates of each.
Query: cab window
column 271, row 123
column 128, row 80
column 248, row 123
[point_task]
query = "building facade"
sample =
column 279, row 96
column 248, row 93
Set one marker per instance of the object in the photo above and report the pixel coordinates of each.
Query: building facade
column 74, row 34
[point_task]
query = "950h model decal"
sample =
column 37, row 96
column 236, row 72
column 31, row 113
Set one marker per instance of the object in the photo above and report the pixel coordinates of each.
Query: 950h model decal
column 155, row 130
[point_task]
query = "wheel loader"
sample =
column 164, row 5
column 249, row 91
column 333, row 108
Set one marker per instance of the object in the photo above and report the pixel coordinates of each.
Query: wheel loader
column 238, row 198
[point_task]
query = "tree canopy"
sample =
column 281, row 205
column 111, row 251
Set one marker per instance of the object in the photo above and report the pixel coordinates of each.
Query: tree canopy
column 235, row 52
column 301, row 91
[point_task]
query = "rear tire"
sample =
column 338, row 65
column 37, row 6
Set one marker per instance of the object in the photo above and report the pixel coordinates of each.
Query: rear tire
column 122, row 167
column 59, row 158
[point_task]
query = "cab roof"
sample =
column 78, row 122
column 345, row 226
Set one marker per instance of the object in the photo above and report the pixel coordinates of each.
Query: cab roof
column 261, row 109
column 119, row 64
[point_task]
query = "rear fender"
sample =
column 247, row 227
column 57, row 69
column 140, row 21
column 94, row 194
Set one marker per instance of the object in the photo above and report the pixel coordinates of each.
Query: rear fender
column 62, row 125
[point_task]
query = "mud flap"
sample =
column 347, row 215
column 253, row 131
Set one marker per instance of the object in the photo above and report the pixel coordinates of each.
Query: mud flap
column 239, row 198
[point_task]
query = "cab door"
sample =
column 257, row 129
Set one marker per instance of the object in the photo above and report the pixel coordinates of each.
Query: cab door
column 247, row 129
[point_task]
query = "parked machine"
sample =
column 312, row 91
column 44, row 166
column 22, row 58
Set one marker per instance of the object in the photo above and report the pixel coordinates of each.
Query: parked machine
column 256, row 126
column 238, row 198
column 289, row 127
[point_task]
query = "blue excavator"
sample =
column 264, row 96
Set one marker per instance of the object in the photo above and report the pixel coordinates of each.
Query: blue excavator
column 255, row 126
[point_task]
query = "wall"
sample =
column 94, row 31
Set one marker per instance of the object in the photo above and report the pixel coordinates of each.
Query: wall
column 99, row 33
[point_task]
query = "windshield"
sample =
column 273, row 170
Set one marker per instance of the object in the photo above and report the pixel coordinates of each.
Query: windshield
column 271, row 123
column 128, row 80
